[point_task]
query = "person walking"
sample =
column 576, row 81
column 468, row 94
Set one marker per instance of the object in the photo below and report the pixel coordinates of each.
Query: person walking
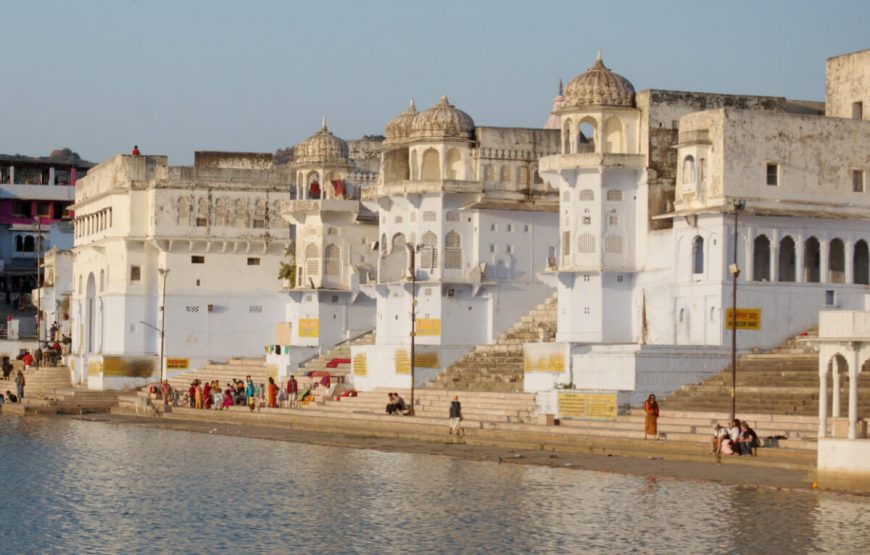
column 19, row 385
column 272, row 393
column 651, row 410
column 293, row 392
column 27, row 360
column 455, row 416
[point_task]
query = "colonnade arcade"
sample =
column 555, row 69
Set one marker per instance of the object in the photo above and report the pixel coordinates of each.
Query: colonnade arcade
column 840, row 359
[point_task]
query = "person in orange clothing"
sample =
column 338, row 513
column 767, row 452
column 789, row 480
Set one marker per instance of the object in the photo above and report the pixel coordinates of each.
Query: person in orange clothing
column 272, row 393
column 651, row 409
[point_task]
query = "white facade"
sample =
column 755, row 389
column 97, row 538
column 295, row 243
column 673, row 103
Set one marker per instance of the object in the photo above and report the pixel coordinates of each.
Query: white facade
column 638, row 272
column 215, row 227
column 467, row 205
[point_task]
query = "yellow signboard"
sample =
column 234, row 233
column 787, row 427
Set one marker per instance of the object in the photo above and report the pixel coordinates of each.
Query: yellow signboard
column 403, row 362
column 360, row 365
column 95, row 368
column 593, row 406
column 128, row 367
column 177, row 363
column 426, row 360
column 428, row 327
column 543, row 357
column 309, row 327
column 747, row 319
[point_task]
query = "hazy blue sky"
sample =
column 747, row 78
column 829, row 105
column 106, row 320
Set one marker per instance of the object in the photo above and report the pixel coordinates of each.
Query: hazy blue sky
column 177, row 76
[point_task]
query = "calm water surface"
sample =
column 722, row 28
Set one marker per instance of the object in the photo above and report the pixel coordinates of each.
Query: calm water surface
column 88, row 487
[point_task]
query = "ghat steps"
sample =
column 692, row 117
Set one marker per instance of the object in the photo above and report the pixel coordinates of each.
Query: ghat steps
column 39, row 382
column 783, row 381
column 339, row 351
column 223, row 372
column 499, row 366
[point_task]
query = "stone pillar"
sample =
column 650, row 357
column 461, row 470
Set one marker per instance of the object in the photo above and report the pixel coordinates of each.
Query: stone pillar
column 774, row 262
column 853, row 393
column 823, row 397
column 799, row 260
column 835, row 397
column 848, row 253
column 747, row 271
column 51, row 176
column 824, row 263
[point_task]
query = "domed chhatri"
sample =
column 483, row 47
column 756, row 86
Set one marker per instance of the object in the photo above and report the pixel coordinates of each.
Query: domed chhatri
column 321, row 148
column 399, row 127
column 442, row 121
column 599, row 87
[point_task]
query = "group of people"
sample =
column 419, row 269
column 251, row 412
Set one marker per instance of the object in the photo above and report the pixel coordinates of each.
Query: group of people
column 397, row 405
column 736, row 439
column 20, row 382
column 237, row 392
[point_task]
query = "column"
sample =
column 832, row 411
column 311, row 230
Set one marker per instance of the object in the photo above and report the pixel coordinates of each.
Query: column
column 747, row 270
column 799, row 260
column 853, row 393
column 835, row 398
column 51, row 176
column 823, row 395
column 774, row 262
column 824, row 251
column 848, row 247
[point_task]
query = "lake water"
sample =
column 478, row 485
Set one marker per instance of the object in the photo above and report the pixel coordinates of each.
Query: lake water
column 90, row 487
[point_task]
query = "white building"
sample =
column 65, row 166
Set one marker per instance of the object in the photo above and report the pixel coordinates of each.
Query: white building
column 644, row 283
column 215, row 228
column 335, row 251
column 53, row 298
column 466, row 202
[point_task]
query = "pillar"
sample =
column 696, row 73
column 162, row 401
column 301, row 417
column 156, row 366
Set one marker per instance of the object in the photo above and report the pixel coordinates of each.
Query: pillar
column 824, row 263
column 853, row 394
column 823, row 396
column 799, row 276
column 835, row 398
column 849, row 253
column 774, row 262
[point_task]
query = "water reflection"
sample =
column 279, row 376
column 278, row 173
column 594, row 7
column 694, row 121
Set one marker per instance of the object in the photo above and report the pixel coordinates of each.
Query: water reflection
column 98, row 488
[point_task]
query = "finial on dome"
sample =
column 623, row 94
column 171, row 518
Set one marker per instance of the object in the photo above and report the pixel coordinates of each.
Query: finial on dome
column 560, row 86
column 598, row 55
column 444, row 101
column 323, row 123
column 411, row 108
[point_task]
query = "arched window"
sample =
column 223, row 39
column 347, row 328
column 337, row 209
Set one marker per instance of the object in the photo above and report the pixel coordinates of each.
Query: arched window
column 29, row 244
column 19, row 243
column 585, row 243
column 761, row 258
column 452, row 251
column 613, row 140
column 312, row 259
column 688, row 171
column 586, row 195
column 787, row 260
column 332, row 260
column 431, row 165
column 241, row 213
column 836, row 261
column 454, row 165
column 698, row 255
column 202, row 212
column 429, row 252
column 586, row 135
column 613, row 244
column 183, row 208
column 812, row 261
column 861, row 263
column 221, row 211
column 488, row 173
column 399, row 243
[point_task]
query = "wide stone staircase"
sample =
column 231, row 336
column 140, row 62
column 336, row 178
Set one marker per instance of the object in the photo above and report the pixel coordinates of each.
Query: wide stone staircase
column 48, row 391
column 498, row 366
column 336, row 360
column 223, row 372
column 39, row 382
column 782, row 381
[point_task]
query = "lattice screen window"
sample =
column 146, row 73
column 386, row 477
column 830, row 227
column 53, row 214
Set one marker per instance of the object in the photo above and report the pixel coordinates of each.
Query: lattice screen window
column 312, row 260
column 191, row 308
column 429, row 252
column 256, row 309
column 453, row 216
column 613, row 244
column 586, row 243
column 614, row 195
column 587, row 195
column 453, row 251
column 332, row 259
column 429, row 216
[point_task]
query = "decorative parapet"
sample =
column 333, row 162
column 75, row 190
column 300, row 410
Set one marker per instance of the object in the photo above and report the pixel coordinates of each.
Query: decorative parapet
column 844, row 324
column 590, row 160
column 440, row 186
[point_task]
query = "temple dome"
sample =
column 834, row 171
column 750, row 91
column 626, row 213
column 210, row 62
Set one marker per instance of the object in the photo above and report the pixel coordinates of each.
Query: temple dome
column 399, row 127
column 442, row 120
column 321, row 148
column 599, row 87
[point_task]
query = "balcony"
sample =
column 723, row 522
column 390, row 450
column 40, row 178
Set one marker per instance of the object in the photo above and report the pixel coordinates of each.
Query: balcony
column 590, row 160
column 408, row 187
column 844, row 324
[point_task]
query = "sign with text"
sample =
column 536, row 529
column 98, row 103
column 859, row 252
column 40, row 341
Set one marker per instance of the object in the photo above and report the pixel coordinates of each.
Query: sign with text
column 360, row 365
column 403, row 362
column 592, row 406
column 544, row 357
column 747, row 319
column 309, row 327
column 177, row 363
column 428, row 327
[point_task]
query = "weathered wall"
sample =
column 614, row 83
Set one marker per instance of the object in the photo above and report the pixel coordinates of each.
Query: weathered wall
column 232, row 160
column 848, row 81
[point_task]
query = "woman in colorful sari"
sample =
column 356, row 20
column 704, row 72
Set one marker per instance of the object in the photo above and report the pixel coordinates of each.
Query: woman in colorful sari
column 229, row 393
column 272, row 394
column 206, row 395
column 651, row 409
column 198, row 396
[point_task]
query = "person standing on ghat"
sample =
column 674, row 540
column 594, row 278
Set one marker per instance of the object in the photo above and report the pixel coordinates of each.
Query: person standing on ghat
column 455, row 416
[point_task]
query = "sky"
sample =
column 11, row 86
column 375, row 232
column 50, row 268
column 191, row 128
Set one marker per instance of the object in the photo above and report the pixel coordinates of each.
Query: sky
column 176, row 76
